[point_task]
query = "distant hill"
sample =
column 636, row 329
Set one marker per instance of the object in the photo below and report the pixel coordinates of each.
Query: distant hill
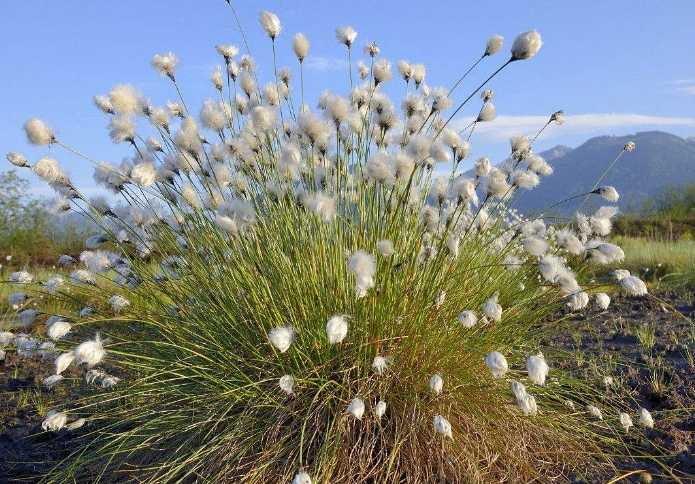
column 659, row 159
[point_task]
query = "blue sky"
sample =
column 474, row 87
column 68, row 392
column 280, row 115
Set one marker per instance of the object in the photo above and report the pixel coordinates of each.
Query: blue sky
column 614, row 67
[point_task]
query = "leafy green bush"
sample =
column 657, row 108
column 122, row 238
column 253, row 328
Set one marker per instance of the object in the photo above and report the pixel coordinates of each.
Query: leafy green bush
column 31, row 234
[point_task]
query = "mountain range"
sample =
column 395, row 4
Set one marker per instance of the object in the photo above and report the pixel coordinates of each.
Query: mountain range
column 658, row 160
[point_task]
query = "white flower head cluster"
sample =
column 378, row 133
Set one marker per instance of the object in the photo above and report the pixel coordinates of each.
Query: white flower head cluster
column 497, row 364
column 337, row 329
column 537, row 369
column 442, row 426
column 363, row 266
column 281, row 337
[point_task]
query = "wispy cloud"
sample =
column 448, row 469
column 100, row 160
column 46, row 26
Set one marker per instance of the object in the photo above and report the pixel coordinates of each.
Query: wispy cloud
column 683, row 86
column 503, row 127
column 682, row 81
column 326, row 64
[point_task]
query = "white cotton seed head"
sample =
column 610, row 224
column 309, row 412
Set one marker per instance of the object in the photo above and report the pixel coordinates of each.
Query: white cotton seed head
column 165, row 64
column 58, row 330
column 381, row 168
column 104, row 104
column 634, row 286
column 518, row 389
column 212, row 116
column 93, row 375
column 381, row 363
column 436, row 384
column 144, row 174
column 21, row 277
column 17, row 159
column 497, row 364
column 487, row 113
column 86, row 311
column 227, row 51
column 602, row 300
column 81, row 276
column 625, row 421
column 301, row 478
column 286, row 384
column 300, row 46
column 356, row 408
column 362, row 70
column 28, row 316
column 385, row 248
column 38, row 133
column 337, row 329
column 382, row 71
column 109, row 381
column 537, row 369
column 528, row 405
column 17, row 298
column 380, row 408
column 54, row 421
column 271, row 95
column 49, row 171
column 63, row 361
column 270, row 23
column 524, row 179
column 346, row 35
column 324, row 206
column 52, row 381
column 362, row 263
column 281, row 337
column 77, row 424
column 482, row 167
column 608, row 193
column 594, row 411
column 620, row 274
column 526, row 45
column 440, row 99
column 118, row 303
column 439, row 299
column 569, row 241
column 126, row 99
column 216, row 78
column 494, row 44
column 645, row 418
column 467, row 319
column 89, row 352
column 371, row 49
column 442, row 426
column 405, row 69
column 578, row 301
column 492, row 309
column 535, row 246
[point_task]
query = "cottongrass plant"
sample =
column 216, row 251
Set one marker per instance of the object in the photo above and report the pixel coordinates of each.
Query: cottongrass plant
column 293, row 295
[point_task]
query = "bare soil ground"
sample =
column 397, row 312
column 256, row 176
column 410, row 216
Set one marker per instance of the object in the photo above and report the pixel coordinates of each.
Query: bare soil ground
column 645, row 346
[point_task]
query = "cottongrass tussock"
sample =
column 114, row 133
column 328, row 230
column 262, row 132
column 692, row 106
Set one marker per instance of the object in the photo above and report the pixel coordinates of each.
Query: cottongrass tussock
column 264, row 277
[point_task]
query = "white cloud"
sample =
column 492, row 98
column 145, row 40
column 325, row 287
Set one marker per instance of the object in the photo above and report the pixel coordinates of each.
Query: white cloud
column 687, row 90
column 503, row 127
column 681, row 81
column 326, row 64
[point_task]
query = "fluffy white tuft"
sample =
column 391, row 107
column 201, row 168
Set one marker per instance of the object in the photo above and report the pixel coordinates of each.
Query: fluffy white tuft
column 38, row 133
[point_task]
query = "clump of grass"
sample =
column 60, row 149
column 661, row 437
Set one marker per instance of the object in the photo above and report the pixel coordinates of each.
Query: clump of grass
column 660, row 262
column 269, row 286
